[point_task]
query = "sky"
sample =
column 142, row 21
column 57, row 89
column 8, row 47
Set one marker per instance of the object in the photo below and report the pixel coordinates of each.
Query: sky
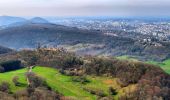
column 85, row 7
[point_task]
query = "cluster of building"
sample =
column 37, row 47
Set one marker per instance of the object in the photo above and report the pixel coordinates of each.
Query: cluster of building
column 160, row 30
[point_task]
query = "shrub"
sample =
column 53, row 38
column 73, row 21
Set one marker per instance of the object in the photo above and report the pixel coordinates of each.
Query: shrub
column 11, row 65
column 4, row 87
column 112, row 91
column 62, row 71
column 35, row 81
column 70, row 72
column 71, row 61
column 106, row 98
column 30, row 90
column 15, row 80
column 127, row 72
column 40, row 93
column 6, row 96
column 44, row 94
column 81, row 79
column 94, row 91
column 1, row 69
column 24, row 94
column 99, row 66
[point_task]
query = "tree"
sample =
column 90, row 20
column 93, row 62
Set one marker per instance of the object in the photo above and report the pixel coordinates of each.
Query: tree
column 1, row 69
column 71, row 61
column 15, row 80
column 4, row 87
column 11, row 65
column 112, row 91
column 34, row 80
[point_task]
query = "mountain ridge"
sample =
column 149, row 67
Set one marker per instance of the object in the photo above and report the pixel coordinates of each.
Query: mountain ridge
column 7, row 20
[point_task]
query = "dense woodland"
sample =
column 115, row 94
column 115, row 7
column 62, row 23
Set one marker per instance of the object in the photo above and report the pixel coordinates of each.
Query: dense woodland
column 152, row 82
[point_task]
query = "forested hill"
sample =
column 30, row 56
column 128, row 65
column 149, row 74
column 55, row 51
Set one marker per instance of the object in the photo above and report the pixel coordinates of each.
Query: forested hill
column 28, row 35
column 95, row 77
column 81, row 41
column 4, row 50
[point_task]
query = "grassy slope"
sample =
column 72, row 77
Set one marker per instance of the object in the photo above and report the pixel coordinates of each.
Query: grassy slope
column 63, row 84
column 8, row 78
column 165, row 65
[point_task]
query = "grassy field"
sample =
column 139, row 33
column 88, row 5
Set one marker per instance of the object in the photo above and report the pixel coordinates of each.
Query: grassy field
column 7, row 77
column 64, row 84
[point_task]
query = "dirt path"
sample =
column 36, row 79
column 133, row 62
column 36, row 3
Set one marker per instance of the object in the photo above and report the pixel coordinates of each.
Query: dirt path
column 30, row 68
column 29, row 71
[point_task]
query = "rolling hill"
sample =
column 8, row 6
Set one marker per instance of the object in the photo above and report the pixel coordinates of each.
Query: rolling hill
column 38, row 20
column 29, row 35
column 4, row 50
column 65, row 85
column 7, row 20
column 87, row 77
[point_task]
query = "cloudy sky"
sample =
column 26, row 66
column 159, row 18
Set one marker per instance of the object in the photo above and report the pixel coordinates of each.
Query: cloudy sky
column 85, row 7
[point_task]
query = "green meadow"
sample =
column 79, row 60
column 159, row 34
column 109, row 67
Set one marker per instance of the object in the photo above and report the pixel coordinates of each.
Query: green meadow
column 64, row 84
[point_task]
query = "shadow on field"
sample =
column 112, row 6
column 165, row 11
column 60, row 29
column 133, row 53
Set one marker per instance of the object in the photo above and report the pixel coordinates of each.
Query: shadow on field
column 21, row 85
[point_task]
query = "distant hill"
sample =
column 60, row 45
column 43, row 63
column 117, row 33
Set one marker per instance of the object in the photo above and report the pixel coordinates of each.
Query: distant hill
column 5, row 50
column 38, row 20
column 7, row 20
column 35, row 20
column 10, row 21
column 29, row 35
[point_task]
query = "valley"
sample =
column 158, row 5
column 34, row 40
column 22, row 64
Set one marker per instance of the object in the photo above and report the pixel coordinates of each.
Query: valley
column 84, row 50
column 39, row 32
column 93, row 59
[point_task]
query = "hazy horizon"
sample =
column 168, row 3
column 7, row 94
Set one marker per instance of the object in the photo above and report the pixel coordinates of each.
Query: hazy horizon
column 121, row 8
